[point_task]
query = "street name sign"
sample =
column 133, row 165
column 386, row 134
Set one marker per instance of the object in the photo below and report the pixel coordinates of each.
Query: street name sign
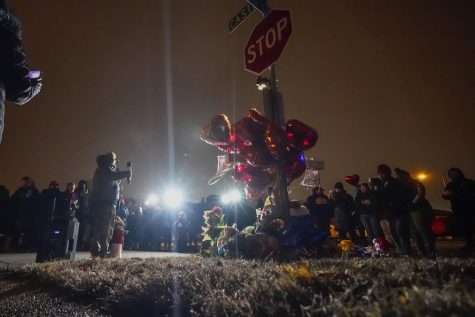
column 240, row 17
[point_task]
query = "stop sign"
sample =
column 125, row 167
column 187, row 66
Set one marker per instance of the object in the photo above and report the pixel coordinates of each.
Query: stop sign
column 267, row 41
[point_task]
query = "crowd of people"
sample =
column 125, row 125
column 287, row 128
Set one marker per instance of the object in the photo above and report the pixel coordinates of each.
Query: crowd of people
column 387, row 209
column 393, row 209
column 27, row 210
column 26, row 213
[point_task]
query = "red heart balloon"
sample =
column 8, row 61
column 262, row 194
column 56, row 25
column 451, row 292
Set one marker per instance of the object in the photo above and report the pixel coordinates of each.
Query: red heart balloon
column 276, row 141
column 241, row 173
column 259, row 179
column 205, row 135
column 256, row 156
column 223, row 146
column 218, row 131
column 220, row 128
column 258, row 184
column 236, row 144
column 257, row 116
column 301, row 135
column 353, row 180
column 226, row 148
column 249, row 132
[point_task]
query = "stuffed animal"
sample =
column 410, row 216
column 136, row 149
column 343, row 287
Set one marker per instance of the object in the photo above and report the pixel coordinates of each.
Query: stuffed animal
column 118, row 237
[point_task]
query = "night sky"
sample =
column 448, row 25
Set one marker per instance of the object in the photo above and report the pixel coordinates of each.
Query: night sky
column 382, row 81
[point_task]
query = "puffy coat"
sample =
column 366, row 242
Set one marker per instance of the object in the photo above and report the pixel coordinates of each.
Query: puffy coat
column 105, row 185
column 15, row 84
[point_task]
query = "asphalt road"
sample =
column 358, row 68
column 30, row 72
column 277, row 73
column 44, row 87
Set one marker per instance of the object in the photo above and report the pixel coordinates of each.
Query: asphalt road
column 16, row 260
column 445, row 247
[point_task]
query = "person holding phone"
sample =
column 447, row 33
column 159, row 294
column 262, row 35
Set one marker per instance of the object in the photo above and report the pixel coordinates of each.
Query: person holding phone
column 18, row 83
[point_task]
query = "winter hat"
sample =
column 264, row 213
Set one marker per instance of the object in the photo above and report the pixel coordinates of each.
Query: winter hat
column 339, row 185
column 383, row 169
column 101, row 160
column 456, row 171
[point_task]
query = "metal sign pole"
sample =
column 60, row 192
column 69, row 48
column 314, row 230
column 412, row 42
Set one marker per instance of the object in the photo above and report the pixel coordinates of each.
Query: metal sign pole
column 273, row 105
column 273, row 109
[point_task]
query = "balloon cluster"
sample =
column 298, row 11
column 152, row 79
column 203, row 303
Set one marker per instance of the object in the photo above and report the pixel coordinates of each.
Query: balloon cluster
column 259, row 145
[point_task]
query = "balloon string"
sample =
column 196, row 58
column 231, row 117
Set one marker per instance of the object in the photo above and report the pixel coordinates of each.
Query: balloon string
column 233, row 44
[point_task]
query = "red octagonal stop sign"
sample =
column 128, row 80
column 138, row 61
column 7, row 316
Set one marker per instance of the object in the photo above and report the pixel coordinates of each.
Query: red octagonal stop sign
column 267, row 41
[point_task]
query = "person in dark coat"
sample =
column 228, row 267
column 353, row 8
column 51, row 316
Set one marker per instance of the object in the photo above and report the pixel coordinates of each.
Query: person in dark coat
column 15, row 82
column 134, row 227
column 83, row 215
column 343, row 207
column 461, row 194
column 366, row 208
column 321, row 211
column 181, row 232
column 48, row 201
column 422, row 216
column 24, row 204
column 396, row 196
column 421, row 213
column 49, row 198
column 105, row 195
column 311, row 200
column 383, row 211
column 67, row 203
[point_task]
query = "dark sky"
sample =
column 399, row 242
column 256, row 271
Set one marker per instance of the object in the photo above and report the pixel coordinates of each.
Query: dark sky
column 381, row 81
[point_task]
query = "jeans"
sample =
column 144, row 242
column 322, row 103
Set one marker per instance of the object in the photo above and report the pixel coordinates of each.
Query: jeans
column 421, row 221
column 102, row 232
column 401, row 231
column 372, row 227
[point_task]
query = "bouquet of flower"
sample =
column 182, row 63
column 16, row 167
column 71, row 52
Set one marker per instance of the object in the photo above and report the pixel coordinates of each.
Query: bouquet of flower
column 346, row 245
column 214, row 224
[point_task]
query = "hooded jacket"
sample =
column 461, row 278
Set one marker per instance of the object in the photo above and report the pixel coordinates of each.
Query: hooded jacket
column 106, row 183
column 15, row 84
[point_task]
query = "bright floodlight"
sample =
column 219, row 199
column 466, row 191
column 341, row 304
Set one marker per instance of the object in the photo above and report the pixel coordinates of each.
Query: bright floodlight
column 173, row 198
column 231, row 197
column 152, row 200
column 422, row 176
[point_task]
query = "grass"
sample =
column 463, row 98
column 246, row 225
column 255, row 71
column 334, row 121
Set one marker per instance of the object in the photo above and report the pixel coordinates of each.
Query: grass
column 227, row 287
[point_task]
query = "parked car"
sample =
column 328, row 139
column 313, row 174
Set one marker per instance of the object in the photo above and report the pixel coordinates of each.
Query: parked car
column 443, row 223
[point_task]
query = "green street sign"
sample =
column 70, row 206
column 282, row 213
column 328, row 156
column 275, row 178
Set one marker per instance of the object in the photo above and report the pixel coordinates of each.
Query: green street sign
column 240, row 17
